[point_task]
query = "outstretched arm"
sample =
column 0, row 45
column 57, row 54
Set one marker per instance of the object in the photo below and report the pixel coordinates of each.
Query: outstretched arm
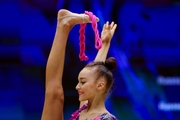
column 106, row 36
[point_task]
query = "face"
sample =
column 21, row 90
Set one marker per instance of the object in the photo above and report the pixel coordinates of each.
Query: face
column 86, row 84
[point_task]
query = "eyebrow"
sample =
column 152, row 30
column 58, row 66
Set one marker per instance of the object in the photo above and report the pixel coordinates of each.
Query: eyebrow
column 81, row 78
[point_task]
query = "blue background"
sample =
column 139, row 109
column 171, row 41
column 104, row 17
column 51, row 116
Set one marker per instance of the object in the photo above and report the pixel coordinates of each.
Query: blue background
column 146, row 45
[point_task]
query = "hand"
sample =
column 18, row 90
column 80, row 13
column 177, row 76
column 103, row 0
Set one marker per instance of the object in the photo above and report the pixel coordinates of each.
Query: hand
column 108, row 32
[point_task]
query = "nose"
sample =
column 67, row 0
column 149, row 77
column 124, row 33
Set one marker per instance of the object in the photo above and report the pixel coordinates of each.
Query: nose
column 77, row 87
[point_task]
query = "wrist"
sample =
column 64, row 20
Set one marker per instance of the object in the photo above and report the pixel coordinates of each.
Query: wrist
column 106, row 42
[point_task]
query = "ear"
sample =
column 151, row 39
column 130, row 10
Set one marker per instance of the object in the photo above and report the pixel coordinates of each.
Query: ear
column 100, row 85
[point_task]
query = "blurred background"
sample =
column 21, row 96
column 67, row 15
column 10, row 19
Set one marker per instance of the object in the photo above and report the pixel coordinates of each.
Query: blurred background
column 146, row 45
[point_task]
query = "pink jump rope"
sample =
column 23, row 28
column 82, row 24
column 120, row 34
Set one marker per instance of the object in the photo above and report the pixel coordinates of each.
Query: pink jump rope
column 98, row 41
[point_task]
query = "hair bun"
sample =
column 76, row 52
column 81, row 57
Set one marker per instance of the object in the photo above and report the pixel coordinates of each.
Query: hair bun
column 110, row 63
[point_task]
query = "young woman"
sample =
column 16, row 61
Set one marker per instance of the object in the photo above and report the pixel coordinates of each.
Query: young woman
column 94, row 80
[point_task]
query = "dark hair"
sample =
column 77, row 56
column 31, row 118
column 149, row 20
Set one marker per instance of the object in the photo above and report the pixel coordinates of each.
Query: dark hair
column 104, row 69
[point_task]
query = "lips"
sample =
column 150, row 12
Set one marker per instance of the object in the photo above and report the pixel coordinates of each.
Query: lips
column 80, row 93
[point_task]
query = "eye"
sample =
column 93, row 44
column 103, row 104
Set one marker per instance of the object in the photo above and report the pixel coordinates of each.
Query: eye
column 82, row 83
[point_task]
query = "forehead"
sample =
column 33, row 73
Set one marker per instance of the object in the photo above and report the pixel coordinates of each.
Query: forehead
column 87, row 72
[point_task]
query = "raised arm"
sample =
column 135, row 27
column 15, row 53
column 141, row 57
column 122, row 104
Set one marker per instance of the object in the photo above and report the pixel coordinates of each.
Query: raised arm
column 106, row 36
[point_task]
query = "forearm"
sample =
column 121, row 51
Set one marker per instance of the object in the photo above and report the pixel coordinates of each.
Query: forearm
column 102, row 53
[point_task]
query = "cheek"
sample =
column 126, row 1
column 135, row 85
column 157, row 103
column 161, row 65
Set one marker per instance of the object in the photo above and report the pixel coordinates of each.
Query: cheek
column 91, row 88
column 85, row 87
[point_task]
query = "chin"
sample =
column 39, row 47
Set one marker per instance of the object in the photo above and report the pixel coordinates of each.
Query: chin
column 81, row 99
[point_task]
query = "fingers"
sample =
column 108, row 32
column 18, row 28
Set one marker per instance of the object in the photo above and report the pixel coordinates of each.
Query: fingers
column 114, row 27
column 106, row 25
column 111, row 26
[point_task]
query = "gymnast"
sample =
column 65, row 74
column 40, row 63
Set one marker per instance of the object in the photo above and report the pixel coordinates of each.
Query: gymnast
column 94, row 80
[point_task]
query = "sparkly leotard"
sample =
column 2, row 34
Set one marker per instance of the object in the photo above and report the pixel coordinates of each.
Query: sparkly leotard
column 104, row 116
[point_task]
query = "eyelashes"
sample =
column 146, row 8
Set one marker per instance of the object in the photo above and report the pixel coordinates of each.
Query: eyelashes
column 82, row 83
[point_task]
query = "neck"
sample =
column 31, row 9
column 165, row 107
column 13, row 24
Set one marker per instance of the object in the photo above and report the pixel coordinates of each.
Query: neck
column 96, row 105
